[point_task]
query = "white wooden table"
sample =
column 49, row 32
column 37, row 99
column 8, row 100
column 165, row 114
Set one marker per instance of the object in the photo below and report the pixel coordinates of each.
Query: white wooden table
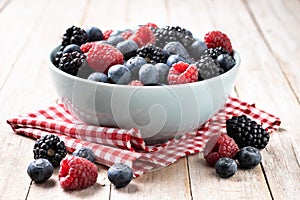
column 265, row 33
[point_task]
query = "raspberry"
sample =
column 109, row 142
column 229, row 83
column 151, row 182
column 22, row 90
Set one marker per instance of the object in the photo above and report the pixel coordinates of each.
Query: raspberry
column 136, row 83
column 87, row 46
column 77, row 173
column 101, row 56
column 214, row 39
column 151, row 25
column 219, row 146
column 106, row 34
column 126, row 34
column 182, row 72
column 143, row 36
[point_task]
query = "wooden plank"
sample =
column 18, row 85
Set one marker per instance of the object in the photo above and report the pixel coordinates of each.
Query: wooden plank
column 168, row 183
column 205, row 184
column 127, row 14
column 279, row 25
column 16, row 30
column 262, row 81
column 29, row 87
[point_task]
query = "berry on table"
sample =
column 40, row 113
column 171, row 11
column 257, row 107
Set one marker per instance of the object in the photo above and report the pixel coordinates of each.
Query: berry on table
column 77, row 173
column 94, row 34
column 102, row 56
column 181, row 73
column 85, row 153
column 148, row 74
column 246, row 132
column 98, row 77
column 119, row 74
column 40, row 170
column 248, row 157
column 225, row 167
column 51, row 148
column 219, row 146
column 214, row 39
column 120, row 174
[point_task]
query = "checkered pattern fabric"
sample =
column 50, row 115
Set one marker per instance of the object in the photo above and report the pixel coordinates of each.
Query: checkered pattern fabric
column 112, row 145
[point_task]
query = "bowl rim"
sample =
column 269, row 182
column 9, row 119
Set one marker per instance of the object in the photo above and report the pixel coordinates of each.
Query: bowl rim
column 75, row 78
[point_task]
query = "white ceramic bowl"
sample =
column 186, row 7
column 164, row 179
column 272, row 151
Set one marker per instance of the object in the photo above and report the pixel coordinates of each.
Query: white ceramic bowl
column 160, row 112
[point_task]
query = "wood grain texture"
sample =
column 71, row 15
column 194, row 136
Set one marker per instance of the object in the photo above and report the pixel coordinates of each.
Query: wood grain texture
column 272, row 18
column 266, row 35
column 261, row 80
column 204, row 182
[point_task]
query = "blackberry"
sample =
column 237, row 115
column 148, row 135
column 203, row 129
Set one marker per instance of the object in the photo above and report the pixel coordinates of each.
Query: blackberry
column 71, row 62
column 51, row 148
column 171, row 34
column 152, row 54
column 215, row 52
column 74, row 35
column 246, row 132
column 58, row 55
column 208, row 68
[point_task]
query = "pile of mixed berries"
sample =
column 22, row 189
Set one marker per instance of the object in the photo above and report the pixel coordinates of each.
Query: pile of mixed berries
column 147, row 55
column 242, row 143
column 76, row 171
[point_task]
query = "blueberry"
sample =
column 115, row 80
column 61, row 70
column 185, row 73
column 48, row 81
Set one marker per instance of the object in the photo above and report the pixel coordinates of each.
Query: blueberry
column 197, row 49
column 98, row 77
column 114, row 40
column 128, row 48
column 85, row 153
column 226, row 61
column 176, row 48
column 40, row 170
column 94, row 34
column 148, row 74
column 225, row 167
column 71, row 48
column 134, row 64
column 248, row 157
column 163, row 70
column 120, row 174
column 116, row 32
column 175, row 59
column 119, row 74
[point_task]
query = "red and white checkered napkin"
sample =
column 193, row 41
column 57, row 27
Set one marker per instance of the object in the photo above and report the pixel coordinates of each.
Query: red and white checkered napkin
column 112, row 145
